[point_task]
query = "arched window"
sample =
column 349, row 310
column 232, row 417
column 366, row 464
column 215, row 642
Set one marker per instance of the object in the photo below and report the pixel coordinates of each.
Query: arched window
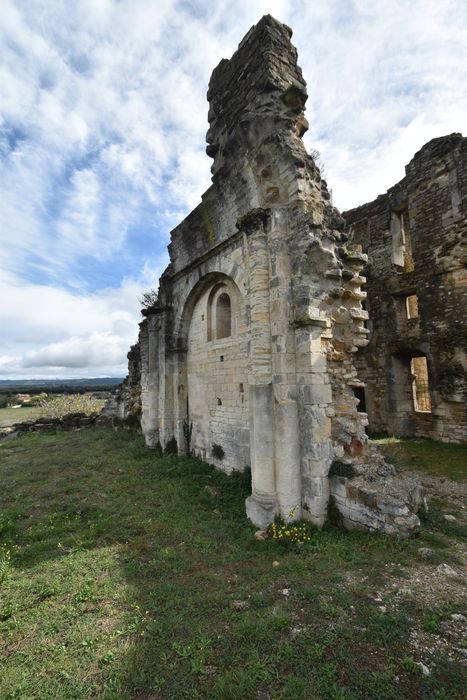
column 223, row 316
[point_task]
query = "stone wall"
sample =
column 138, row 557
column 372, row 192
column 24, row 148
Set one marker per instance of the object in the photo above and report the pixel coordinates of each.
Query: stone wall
column 414, row 236
column 72, row 421
column 277, row 392
column 126, row 404
column 217, row 372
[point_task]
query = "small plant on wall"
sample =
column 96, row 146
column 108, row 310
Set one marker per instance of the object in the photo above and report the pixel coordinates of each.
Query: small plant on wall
column 187, row 431
column 171, row 448
column 218, row 451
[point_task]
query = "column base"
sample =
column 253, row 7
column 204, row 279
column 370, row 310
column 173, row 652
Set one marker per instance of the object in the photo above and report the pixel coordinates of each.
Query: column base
column 261, row 512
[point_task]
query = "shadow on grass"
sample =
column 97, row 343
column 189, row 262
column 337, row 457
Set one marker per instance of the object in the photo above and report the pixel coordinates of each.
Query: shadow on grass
column 133, row 576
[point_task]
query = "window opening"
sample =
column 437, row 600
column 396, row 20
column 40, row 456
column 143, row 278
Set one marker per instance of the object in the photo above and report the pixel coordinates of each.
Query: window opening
column 411, row 306
column 409, row 264
column 359, row 393
column 365, row 308
column 401, row 241
column 223, row 317
column 420, row 385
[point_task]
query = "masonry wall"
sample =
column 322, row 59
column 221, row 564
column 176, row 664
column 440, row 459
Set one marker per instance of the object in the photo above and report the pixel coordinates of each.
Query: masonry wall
column 217, row 371
column 414, row 236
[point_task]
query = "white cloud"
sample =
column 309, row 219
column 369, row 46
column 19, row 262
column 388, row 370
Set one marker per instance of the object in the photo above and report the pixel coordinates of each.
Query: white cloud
column 49, row 331
column 78, row 352
column 102, row 126
column 383, row 79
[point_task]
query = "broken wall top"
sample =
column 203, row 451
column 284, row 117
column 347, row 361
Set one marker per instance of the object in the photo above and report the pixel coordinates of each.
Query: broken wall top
column 426, row 164
column 257, row 100
column 260, row 79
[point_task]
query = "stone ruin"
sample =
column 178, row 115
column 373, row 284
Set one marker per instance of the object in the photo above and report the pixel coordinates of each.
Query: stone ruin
column 248, row 356
column 414, row 367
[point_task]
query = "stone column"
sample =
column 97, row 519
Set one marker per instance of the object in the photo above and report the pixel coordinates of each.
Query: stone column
column 286, row 429
column 180, row 395
column 165, row 366
column 315, row 399
column 150, row 341
column 261, row 506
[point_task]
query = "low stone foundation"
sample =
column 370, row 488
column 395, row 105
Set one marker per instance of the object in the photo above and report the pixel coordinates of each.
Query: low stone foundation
column 72, row 421
column 368, row 494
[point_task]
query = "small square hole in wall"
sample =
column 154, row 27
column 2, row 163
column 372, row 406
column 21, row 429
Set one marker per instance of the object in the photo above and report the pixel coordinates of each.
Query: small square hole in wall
column 222, row 358
column 219, row 401
column 202, row 317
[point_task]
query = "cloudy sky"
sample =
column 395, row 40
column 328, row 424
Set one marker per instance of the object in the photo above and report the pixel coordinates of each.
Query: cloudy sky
column 103, row 117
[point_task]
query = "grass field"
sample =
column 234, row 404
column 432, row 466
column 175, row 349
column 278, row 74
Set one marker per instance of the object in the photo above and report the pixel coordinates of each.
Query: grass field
column 8, row 416
column 54, row 407
column 122, row 576
column 436, row 458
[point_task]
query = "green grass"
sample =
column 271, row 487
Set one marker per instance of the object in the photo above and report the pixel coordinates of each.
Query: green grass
column 118, row 571
column 435, row 458
column 8, row 416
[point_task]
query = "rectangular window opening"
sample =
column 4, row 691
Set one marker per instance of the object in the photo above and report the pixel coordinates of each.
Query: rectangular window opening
column 411, row 306
column 402, row 256
column 409, row 265
column 359, row 393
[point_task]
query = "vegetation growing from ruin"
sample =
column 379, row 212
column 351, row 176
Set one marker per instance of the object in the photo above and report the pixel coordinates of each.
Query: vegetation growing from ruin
column 148, row 299
column 218, row 451
column 171, row 448
column 290, row 534
column 120, row 579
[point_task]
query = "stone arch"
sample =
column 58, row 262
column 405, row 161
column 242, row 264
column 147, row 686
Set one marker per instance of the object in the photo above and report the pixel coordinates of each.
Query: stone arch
column 220, row 312
column 230, row 276
column 213, row 367
column 223, row 316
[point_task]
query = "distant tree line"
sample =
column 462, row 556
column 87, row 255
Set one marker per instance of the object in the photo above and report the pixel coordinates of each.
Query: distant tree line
column 11, row 392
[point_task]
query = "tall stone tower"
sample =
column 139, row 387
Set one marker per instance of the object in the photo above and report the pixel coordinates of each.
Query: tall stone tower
column 247, row 356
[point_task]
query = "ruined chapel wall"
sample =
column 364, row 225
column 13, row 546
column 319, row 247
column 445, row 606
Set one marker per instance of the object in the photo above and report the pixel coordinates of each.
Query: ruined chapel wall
column 267, row 231
column 434, row 196
column 217, row 371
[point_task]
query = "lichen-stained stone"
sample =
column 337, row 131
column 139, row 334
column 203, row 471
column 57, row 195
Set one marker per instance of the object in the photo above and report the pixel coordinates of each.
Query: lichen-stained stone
column 247, row 357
